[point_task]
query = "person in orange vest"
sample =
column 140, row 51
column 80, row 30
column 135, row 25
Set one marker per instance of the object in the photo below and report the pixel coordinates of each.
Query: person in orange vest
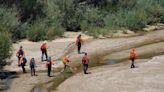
column 79, row 42
column 20, row 52
column 66, row 60
column 32, row 66
column 132, row 56
column 85, row 62
column 23, row 61
column 43, row 49
column 49, row 65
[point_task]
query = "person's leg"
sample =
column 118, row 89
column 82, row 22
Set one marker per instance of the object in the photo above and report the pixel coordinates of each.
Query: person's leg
column 18, row 61
column 42, row 55
column 31, row 71
column 86, row 67
column 132, row 64
column 65, row 66
column 46, row 54
column 79, row 47
column 49, row 71
column 34, row 71
column 23, row 68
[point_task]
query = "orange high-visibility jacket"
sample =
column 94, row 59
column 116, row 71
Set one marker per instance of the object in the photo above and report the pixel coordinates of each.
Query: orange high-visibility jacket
column 81, row 40
column 17, row 52
column 44, row 46
column 21, row 60
column 48, row 63
column 66, row 60
column 133, row 55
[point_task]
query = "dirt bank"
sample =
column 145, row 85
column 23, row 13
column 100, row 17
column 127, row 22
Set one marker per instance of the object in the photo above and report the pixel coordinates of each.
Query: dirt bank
column 57, row 48
column 105, row 47
column 148, row 77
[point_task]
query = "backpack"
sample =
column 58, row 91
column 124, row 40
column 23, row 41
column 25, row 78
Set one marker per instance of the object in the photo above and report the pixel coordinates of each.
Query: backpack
column 24, row 60
column 20, row 52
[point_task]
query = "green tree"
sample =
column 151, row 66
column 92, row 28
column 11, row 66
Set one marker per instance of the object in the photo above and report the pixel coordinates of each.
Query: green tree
column 5, row 48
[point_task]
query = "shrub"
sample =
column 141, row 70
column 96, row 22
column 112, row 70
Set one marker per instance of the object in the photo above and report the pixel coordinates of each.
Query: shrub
column 9, row 22
column 6, row 47
column 37, row 31
column 54, row 30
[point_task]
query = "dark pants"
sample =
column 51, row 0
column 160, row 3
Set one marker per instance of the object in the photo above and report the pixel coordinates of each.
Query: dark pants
column 85, row 68
column 65, row 66
column 23, row 67
column 44, row 52
column 32, row 70
column 49, row 71
column 19, row 61
column 78, row 47
column 132, row 65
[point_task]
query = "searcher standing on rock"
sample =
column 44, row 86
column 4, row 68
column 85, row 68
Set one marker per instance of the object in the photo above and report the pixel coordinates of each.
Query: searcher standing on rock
column 32, row 66
column 132, row 56
column 66, row 60
column 20, row 52
column 49, row 66
column 43, row 49
column 79, row 42
column 85, row 62
column 23, row 62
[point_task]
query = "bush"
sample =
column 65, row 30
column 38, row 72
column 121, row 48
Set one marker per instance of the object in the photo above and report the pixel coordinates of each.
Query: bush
column 9, row 22
column 44, row 30
column 55, row 30
column 134, row 20
column 6, row 47
column 37, row 31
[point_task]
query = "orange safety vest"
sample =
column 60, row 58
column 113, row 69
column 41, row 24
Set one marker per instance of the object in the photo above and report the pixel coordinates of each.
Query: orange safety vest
column 133, row 55
column 18, row 52
column 66, row 60
column 81, row 40
column 44, row 46
column 21, row 60
column 51, row 62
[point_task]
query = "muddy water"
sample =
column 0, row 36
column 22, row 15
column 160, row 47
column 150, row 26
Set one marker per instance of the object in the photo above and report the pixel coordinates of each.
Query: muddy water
column 6, row 78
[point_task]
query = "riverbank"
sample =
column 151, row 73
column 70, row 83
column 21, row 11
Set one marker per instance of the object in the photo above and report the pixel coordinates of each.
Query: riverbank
column 100, row 51
column 147, row 77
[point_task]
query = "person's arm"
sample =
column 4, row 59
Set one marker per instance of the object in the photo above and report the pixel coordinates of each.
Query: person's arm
column 82, row 40
column 46, row 45
column 17, row 53
column 23, row 52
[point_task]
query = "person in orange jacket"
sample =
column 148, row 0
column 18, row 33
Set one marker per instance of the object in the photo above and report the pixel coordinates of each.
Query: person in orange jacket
column 20, row 52
column 66, row 60
column 43, row 49
column 23, row 61
column 85, row 62
column 49, row 65
column 132, row 56
column 79, row 42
